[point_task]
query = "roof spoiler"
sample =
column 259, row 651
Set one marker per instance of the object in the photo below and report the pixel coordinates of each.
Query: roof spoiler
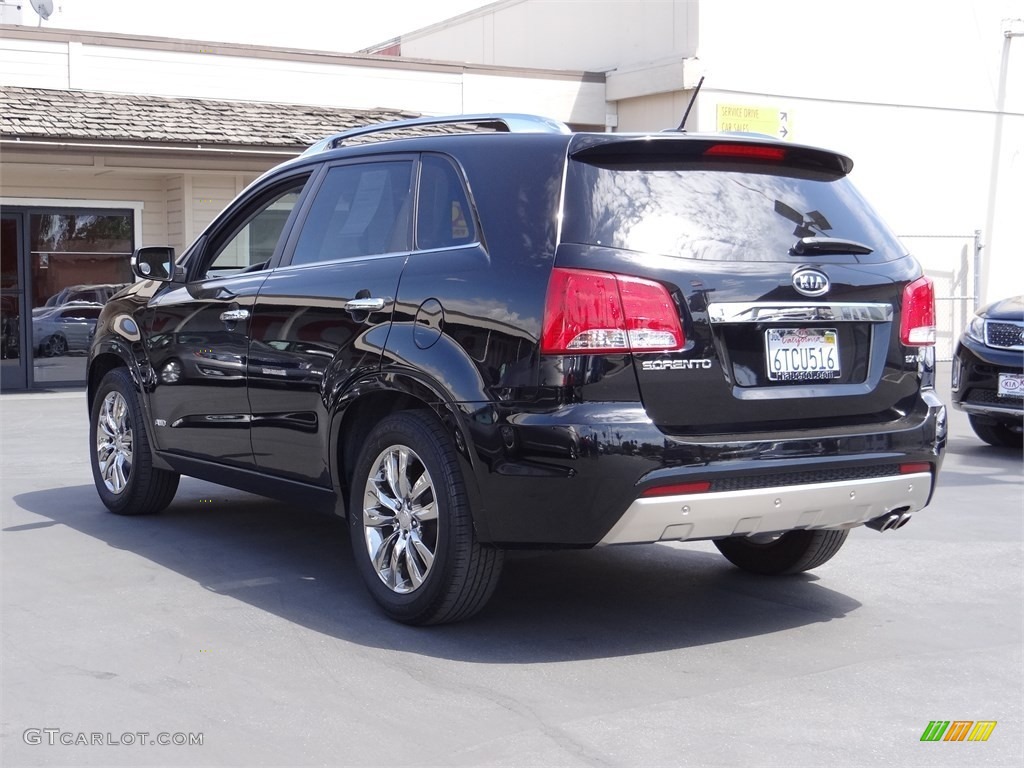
column 670, row 146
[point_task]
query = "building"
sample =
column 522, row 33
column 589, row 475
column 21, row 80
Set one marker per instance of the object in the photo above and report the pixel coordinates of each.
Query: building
column 928, row 99
column 109, row 142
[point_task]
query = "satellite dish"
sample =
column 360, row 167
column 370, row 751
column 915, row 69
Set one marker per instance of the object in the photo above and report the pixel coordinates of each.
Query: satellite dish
column 43, row 7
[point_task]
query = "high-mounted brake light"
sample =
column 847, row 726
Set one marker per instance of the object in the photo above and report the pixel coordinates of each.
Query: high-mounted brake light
column 600, row 312
column 917, row 317
column 746, row 152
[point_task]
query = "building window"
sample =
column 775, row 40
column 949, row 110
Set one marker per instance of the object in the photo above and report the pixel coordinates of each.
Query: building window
column 78, row 259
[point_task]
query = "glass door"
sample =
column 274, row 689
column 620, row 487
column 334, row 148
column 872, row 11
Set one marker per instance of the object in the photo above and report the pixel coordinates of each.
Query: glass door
column 77, row 260
column 13, row 362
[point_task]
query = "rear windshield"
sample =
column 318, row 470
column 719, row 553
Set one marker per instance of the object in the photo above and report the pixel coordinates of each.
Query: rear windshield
column 716, row 211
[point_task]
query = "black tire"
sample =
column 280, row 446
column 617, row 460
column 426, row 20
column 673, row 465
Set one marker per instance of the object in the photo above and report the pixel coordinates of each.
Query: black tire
column 997, row 433
column 125, row 478
column 427, row 512
column 792, row 552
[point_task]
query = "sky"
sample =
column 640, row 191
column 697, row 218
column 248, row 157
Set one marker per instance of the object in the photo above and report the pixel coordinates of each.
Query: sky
column 329, row 25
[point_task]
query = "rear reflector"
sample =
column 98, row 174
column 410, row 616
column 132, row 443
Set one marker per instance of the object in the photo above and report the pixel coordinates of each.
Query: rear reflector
column 917, row 317
column 913, row 469
column 600, row 312
column 746, row 152
column 680, row 489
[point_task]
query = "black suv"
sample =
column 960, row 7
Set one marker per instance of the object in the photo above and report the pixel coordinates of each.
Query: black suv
column 988, row 373
column 516, row 336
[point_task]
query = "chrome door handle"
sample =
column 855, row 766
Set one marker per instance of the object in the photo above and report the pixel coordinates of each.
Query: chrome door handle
column 234, row 315
column 365, row 305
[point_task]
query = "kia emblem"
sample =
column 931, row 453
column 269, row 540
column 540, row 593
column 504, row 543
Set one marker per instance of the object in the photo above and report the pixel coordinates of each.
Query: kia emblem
column 811, row 282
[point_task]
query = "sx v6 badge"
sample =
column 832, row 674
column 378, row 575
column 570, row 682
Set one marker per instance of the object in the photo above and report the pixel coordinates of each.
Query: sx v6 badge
column 674, row 365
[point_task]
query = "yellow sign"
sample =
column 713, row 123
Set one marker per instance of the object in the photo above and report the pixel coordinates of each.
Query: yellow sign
column 771, row 121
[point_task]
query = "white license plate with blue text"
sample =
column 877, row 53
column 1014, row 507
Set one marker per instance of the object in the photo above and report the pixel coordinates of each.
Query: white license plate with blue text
column 802, row 354
column 1011, row 385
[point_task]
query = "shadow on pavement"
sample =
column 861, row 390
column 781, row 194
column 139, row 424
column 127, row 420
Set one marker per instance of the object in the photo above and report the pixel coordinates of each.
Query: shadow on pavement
column 554, row 606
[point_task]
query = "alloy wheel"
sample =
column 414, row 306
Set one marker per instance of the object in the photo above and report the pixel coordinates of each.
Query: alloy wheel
column 400, row 523
column 114, row 442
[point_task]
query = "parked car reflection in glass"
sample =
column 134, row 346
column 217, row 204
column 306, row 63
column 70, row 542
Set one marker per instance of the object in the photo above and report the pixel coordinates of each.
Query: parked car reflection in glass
column 65, row 328
column 93, row 294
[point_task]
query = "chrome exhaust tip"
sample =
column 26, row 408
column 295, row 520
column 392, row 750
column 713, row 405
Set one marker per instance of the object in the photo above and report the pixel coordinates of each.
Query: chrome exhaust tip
column 890, row 521
column 886, row 522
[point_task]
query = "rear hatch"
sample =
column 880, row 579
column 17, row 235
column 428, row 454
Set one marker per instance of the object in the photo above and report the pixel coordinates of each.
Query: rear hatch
column 790, row 291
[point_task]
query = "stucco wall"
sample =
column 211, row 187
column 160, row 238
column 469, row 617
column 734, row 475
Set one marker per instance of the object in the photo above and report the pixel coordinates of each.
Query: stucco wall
column 562, row 34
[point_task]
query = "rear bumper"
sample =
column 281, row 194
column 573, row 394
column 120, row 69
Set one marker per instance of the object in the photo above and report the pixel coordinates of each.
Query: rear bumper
column 769, row 510
column 576, row 476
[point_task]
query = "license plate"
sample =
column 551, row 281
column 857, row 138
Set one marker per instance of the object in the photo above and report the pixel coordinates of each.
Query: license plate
column 802, row 354
column 1011, row 385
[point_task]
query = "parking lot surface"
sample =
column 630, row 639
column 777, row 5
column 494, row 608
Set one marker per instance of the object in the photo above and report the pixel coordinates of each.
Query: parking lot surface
column 240, row 622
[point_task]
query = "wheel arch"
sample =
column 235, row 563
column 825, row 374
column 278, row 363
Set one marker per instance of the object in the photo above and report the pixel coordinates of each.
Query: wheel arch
column 370, row 400
column 102, row 364
column 111, row 354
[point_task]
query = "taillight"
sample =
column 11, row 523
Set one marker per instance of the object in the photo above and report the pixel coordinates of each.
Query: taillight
column 601, row 312
column 917, row 318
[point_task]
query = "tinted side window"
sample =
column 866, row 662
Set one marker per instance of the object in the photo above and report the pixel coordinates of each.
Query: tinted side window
column 443, row 216
column 251, row 242
column 359, row 210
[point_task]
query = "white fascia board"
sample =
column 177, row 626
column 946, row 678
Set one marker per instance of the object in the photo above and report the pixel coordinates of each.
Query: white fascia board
column 664, row 76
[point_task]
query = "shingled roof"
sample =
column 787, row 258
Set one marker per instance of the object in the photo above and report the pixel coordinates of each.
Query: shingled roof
column 37, row 113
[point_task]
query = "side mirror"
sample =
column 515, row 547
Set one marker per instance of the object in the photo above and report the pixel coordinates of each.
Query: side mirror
column 156, row 262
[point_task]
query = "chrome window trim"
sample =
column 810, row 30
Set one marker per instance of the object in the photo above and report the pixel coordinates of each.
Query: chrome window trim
column 788, row 311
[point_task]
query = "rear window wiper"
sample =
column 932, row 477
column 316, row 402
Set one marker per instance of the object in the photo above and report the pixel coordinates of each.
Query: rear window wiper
column 806, row 245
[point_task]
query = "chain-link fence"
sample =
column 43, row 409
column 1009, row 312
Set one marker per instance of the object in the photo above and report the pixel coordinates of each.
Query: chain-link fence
column 953, row 262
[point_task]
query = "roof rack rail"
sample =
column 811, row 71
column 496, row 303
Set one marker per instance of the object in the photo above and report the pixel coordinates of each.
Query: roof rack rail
column 508, row 122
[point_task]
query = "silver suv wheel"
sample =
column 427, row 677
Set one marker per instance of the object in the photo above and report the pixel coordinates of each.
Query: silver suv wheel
column 400, row 522
column 114, row 442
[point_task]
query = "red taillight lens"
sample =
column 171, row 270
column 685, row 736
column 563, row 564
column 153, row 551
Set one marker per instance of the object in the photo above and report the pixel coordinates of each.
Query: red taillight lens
column 652, row 318
column 917, row 318
column 681, row 489
column 600, row 312
column 913, row 469
column 746, row 152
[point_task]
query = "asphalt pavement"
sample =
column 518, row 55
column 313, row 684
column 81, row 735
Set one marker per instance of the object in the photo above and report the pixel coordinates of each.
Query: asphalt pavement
column 240, row 623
